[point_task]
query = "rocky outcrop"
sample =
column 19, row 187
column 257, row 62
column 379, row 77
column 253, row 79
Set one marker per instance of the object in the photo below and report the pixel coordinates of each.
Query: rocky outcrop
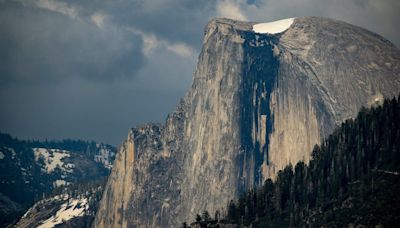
column 144, row 186
column 257, row 103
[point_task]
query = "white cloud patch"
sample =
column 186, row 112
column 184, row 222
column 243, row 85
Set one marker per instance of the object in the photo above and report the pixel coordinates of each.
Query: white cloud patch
column 151, row 43
column 98, row 18
column 60, row 7
column 230, row 9
column 181, row 49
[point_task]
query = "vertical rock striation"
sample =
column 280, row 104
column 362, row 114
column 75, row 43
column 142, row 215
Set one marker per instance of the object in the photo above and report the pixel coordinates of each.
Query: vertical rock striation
column 257, row 103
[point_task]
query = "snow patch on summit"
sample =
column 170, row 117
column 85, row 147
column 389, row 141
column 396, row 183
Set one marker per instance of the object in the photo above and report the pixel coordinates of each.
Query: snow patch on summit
column 273, row 27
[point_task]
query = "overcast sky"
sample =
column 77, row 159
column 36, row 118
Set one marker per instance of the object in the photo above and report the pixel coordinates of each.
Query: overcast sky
column 93, row 69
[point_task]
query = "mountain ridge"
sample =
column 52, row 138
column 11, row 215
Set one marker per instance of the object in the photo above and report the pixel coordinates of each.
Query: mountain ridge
column 257, row 103
column 32, row 170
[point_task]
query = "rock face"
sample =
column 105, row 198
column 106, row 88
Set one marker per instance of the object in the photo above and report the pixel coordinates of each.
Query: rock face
column 258, row 102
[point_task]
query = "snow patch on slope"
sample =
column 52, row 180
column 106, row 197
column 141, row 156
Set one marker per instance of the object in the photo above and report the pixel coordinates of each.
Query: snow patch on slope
column 59, row 183
column 69, row 210
column 273, row 27
column 104, row 156
column 53, row 159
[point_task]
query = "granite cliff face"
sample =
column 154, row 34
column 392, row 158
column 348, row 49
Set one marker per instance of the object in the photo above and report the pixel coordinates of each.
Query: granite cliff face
column 258, row 102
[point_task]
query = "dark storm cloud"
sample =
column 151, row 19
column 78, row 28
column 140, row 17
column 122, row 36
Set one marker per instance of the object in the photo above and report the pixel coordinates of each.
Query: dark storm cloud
column 41, row 45
column 177, row 20
column 91, row 69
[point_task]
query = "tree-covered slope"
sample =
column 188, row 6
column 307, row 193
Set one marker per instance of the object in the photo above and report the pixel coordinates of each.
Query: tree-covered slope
column 353, row 178
column 31, row 170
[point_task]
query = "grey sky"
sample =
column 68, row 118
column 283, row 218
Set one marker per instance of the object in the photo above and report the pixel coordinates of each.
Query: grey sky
column 93, row 69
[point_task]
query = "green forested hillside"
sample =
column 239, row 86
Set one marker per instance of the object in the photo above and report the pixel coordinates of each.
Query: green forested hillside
column 353, row 178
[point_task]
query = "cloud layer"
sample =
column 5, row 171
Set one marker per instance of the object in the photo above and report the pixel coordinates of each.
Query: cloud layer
column 45, row 45
column 92, row 69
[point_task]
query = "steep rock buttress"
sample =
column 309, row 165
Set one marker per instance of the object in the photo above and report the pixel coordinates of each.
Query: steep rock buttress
column 258, row 102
